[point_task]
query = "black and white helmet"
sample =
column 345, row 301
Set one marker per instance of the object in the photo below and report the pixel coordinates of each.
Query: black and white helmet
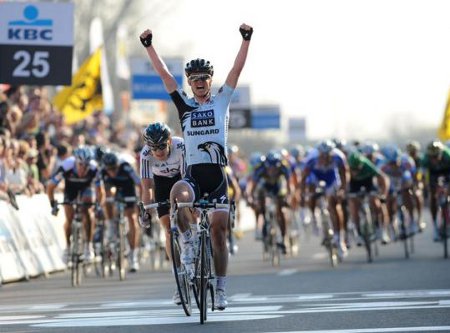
column 156, row 133
column 83, row 154
column 110, row 160
column 325, row 147
column 199, row 66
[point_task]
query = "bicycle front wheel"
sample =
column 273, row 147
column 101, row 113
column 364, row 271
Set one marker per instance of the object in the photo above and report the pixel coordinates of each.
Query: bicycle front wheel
column 180, row 274
column 204, row 278
column 121, row 250
column 76, row 253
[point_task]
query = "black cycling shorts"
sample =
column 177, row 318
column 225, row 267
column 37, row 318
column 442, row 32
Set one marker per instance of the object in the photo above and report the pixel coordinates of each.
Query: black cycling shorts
column 355, row 185
column 163, row 185
column 208, row 180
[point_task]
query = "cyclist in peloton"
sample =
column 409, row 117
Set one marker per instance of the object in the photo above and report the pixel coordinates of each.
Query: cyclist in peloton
column 256, row 161
column 329, row 164
column 161, row 167
column 363, row 173
column 272, row 178
column 413, row 150
column 120, row 175
column 204, row 122
column 399, row 168
column 437, row 163
column 371, row 150
column 79, row 173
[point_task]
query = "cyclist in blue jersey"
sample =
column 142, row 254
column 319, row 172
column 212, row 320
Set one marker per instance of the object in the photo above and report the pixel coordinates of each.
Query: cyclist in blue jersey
column 329, row 164
column 272, row 179
column 400, row 169
column 204, row 122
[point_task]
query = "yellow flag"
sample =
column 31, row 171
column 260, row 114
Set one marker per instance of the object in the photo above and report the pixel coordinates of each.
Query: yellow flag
column 84, row 96
column 444, row 130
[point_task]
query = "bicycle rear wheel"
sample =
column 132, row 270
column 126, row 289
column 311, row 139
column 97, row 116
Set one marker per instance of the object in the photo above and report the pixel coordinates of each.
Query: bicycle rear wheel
column 367, row 232
column 444, row 211
column 121, row 250
column 403, row 231
column 180, row 274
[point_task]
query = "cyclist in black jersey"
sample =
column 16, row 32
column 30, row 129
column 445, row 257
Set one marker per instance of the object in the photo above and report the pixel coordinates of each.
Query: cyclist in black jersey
column 204, row 122
column 121, row 176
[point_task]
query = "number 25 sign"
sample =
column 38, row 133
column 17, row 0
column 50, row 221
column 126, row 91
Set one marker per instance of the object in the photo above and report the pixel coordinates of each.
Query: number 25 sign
column 36, row 43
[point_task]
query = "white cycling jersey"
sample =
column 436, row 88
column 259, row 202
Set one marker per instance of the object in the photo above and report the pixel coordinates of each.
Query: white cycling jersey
column 205, row 127
column 171, row 167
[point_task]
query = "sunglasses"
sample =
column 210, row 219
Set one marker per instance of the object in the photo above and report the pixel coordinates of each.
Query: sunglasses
column 161, row 146
column 199, row 77
column 82, row 164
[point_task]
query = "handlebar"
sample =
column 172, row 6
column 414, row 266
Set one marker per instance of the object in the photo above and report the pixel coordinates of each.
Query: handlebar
column 202, row 205
column 121, row 199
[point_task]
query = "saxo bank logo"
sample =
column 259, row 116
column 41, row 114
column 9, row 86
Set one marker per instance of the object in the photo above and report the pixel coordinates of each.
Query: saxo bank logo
column 31, row 28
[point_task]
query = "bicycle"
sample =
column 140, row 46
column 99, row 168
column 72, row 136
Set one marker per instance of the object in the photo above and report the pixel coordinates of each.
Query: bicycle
column 443, row 212
column 118, row 245
column 153, row 238
column 77, row 239
column 271, row 232
column 232, row 247
column 203, row 272
column 180, row 272
column 405, row 219
column 366, row 225
column 327, row 226
column 100, row 247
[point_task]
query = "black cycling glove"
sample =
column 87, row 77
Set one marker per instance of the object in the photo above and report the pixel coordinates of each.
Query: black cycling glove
column 246, row 34
column 147, row 41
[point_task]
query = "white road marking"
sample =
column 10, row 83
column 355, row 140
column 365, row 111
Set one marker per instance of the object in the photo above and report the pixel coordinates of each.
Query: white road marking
column 287, row 272
column 379, row 330
column 320, row 255
column 243, row 307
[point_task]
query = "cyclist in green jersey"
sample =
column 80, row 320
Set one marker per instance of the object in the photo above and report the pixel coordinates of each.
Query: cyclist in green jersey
column 436, row 162
column 364, row 174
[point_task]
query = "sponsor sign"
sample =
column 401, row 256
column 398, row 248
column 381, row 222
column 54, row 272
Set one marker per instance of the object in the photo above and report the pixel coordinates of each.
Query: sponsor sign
column 145, row 81
column 266, row 117
column 36, row 43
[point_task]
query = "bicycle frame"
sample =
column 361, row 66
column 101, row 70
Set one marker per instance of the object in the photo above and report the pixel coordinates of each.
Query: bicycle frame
column 327, row 227
column 366, row 225
column 271, row 230
column 120, row 232
column 204, row 275
column 443, row 211
column 77, row 239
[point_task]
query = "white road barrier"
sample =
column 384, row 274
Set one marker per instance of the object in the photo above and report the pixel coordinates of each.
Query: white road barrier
column 31, row 239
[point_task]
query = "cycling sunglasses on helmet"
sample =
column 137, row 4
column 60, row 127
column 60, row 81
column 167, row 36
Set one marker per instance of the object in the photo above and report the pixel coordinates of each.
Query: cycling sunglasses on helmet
column 161, row 146
column 199, row 77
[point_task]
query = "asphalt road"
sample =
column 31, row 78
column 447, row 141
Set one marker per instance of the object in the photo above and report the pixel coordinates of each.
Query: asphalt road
column 304, row 294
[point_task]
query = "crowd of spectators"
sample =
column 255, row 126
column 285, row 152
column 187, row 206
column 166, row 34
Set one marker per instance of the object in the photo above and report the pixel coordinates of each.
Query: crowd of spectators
column 34, row 139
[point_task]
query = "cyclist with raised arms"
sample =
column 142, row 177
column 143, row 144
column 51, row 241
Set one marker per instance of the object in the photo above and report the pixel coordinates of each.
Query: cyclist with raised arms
column 161, row 161
column 204, row 122
column 79, row 173
column 119, row 174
